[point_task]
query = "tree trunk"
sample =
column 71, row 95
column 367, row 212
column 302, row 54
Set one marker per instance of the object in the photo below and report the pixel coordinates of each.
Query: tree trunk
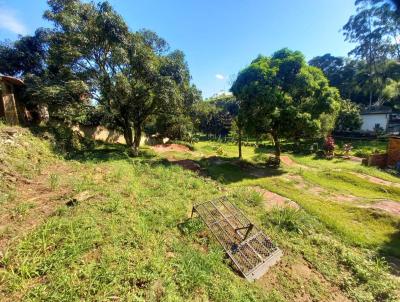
column 277, row 148
column 128, row 136
column 240, row 143
column 136, row 141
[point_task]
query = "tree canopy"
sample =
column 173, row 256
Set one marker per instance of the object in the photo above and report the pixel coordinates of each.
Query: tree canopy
column 94, row 59
column 284, row 97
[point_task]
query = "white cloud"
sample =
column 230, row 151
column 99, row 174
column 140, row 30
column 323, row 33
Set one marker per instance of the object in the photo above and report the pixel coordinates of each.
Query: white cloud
column 220, row 76
column 10, row 22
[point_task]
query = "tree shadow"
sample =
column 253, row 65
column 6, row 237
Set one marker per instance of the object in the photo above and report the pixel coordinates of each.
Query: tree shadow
column 391, row 251
column 105, row 152
column 98, row 155
column 231, row 170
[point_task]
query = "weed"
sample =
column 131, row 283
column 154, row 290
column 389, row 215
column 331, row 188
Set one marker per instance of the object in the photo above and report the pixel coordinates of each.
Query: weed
column 54, row 181
column 21, row 210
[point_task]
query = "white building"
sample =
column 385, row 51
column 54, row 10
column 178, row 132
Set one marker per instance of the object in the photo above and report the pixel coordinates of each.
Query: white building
column 377, row 117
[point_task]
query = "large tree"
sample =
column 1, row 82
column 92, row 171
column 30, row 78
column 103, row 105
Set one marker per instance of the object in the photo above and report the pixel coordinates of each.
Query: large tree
column 130, row 75
column 284, row 97
column 24, row 56
column 374, row 29
column 214, row 116
column 352, row 78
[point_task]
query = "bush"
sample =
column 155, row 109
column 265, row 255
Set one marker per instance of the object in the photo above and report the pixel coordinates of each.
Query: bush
column 68, row 141
column 288, row 219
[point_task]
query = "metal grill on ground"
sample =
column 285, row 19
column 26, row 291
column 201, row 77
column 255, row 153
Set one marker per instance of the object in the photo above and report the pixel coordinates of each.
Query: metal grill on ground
column 250, row 249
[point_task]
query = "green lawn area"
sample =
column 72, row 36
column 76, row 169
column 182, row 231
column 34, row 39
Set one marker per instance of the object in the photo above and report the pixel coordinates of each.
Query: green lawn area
column 133, row 241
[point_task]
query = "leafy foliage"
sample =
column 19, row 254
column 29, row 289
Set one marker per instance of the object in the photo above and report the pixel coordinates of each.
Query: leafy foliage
column 283, row 96
column 349, row 118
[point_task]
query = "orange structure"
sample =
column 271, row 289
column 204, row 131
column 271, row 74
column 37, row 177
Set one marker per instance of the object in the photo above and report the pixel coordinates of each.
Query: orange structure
column 393, row 151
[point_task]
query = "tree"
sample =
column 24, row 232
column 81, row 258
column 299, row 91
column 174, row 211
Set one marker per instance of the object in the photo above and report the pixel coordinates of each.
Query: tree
column 331, row 66
column 284, row 97
column 148, row 85
column 375, row 30
column 215, row 116
column 352, row 78
column 349, row 118
column 128, row 74
column 179, row 122
column 24, row 56
column 236, row 132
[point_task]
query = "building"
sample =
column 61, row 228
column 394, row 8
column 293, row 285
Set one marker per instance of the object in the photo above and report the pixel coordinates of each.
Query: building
column 375, row 118
column 11, row 109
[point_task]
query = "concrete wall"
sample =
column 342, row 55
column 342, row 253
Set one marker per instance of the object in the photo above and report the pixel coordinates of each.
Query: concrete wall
column 103, row 134
column 370, row 120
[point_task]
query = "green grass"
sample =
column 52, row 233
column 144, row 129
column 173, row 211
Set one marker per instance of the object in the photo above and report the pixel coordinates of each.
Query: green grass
column 345, row 182
column 133, row 240
column 364, row 148
column 359, row 227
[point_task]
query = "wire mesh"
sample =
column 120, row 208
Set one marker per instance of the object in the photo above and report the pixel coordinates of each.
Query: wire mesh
column 248, row 247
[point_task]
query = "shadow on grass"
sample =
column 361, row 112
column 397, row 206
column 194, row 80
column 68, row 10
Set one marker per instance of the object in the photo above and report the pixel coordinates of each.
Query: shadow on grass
column 391, row 251
column 108, row 152
column 231, row 170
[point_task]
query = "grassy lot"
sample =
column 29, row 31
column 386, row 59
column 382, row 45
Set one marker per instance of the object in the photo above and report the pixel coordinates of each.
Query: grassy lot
column 131, row 239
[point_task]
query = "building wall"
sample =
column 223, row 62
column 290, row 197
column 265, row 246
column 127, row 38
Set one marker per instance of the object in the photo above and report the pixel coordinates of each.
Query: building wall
column 370, row 120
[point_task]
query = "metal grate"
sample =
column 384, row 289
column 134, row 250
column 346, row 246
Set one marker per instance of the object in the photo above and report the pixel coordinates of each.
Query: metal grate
column 249, row 248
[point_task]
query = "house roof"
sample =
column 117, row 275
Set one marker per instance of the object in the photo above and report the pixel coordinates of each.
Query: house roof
column 376, row 110
column 12, row 80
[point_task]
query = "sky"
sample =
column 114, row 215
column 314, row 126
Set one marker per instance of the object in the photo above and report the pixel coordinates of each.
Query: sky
column 218, row 37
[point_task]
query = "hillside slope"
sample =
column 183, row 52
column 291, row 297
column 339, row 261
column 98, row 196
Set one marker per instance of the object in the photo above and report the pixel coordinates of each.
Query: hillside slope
column 105, row 227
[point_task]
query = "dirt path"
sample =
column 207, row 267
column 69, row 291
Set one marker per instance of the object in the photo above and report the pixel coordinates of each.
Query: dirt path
column 388, row 206
column 377, row 180
column 286, row 160
column 272, row 200
column 35, row 201
column 171, row 147
column 302, row 274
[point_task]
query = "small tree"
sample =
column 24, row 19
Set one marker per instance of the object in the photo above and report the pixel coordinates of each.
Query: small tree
column 237, row 133
column 329, row 147
column 284, row 97
column 349, row 117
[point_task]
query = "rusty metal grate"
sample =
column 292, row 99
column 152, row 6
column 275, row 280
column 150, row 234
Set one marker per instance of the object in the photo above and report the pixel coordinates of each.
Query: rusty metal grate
column 249, row 248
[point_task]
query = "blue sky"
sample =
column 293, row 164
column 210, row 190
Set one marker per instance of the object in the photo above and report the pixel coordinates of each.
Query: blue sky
column 219, row 37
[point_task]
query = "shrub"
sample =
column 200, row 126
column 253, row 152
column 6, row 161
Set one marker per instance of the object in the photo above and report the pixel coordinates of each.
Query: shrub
column 288, row 219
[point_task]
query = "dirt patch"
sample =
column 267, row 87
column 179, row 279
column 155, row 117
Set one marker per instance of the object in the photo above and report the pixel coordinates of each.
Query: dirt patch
column 287, row 160
column 388, row 206
column 34, row 202
column 272, row 200
column 303, row 276
column 170, row 147
column 356, row 159
column 346, row 198
column 377, row 180
column 186, row 164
